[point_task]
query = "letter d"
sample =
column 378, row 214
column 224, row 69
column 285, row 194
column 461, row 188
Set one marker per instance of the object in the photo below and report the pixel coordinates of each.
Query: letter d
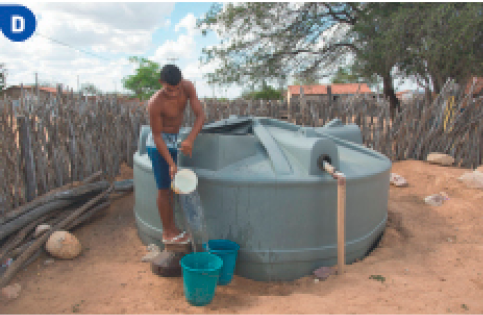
column 20, row 27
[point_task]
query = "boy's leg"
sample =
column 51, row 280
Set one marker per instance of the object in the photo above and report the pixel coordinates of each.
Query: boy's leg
column 165, row 195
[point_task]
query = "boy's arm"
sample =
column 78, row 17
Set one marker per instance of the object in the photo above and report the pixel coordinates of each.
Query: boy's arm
column 156, row 128
column 187, row 144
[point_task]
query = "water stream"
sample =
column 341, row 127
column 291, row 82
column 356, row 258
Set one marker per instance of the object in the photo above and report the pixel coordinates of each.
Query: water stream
column 194, row 219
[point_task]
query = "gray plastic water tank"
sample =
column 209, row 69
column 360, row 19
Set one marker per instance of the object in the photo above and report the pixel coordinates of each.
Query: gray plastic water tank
column 261, row 186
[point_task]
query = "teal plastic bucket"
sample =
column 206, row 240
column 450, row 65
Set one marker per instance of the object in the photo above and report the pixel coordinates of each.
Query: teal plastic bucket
column 228, row 252
column 200, row 276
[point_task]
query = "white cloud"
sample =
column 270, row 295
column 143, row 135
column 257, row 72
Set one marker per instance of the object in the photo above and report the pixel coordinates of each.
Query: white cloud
column 126, row 28
column 195, row 73
column 114, row 27
column 184, row 47
column 189, row 23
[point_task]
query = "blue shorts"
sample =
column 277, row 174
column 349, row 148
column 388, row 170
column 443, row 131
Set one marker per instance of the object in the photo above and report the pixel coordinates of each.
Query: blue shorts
column 161, row 167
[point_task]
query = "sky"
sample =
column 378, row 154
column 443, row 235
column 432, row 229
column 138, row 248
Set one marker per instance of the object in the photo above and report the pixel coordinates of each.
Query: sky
column 90, row 42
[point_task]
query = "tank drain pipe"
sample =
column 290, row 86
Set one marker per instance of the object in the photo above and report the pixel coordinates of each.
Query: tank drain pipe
column 341, row 199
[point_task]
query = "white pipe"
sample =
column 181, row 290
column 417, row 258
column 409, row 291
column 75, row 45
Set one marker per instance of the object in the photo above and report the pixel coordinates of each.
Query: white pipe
column 341, row 201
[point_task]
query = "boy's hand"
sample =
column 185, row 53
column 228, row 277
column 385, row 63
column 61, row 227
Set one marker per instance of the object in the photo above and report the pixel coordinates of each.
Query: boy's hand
column 173, row 169
column 187, row 147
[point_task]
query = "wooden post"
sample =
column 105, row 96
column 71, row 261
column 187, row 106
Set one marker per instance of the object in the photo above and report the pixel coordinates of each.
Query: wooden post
column 341, row 198
column 303, row 105
column 26, row 147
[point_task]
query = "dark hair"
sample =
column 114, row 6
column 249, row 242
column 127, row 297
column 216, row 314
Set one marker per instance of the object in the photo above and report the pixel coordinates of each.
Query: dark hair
column 170, row 74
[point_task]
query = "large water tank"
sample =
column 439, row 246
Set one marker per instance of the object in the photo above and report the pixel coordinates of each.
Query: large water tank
column 261, row 186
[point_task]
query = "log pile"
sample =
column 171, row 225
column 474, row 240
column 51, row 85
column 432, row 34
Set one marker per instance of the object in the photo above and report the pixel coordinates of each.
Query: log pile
column 65, row 209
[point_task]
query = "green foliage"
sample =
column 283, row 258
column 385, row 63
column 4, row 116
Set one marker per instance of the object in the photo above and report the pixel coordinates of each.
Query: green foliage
column 432, row 41
column 441, row 41
column 378, row 278
column 3, row 76
column 306, row 80
column 145, row 82
column 348, row 75
column 266, row 92
column 219, row 99
column 267, row 40
column 345, row 75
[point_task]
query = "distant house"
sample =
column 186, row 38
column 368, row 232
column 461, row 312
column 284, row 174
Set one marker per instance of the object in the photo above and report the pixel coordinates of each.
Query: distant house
column 318, row 92
column 14, row 91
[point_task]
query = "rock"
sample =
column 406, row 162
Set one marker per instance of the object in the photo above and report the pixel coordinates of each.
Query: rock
column 41, row 229
column 473, row 179
column 436, row 199
column 150, row 256
column 12, row 291
column 62, row 244
column 440, row 158
column 397, row 180
column 153, row 247
column 324, row 272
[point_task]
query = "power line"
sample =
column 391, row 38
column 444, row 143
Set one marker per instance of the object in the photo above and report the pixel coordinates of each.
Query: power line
column 67, row 45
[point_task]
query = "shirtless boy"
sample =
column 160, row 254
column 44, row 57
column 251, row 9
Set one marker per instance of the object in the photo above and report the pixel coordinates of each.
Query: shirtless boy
column 166, row 108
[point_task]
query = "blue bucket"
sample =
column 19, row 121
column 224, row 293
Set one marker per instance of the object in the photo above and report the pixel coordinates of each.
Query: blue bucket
column 228, row 251
column 200, row 276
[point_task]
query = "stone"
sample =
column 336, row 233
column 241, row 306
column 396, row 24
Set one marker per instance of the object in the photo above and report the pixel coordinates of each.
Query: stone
column 440, row 158
column 472, row 180
column 11, row 292
column 153, row 247
column 41, row 229
column 167, row 264
column 64, row 245
column 436, row 199
column 150, row 256
column 323, row 272
column 397, row 180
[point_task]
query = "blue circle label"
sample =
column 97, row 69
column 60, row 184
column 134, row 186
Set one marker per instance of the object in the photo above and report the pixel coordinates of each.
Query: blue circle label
column 17, row 22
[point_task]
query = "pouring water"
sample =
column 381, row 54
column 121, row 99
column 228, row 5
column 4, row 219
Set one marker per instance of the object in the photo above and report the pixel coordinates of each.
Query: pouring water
column 184, row 184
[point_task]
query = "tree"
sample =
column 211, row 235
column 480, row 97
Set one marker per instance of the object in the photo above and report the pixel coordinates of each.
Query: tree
column 441, row 40
column 270, row 40
column 266, row 40
column 3, row 77
column 377, row 52
column 90, row 89
column 266, row 92
column 345, row 75
column 306, row 80
column 385, row 40
column 144, row 83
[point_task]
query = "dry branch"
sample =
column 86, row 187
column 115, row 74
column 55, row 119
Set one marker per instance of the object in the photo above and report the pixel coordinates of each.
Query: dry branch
column 17, row 264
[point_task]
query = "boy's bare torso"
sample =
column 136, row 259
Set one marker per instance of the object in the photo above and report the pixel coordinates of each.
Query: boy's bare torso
column 170, row 108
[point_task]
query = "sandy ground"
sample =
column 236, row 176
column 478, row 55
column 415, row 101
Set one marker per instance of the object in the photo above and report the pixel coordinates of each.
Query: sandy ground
column 431, row 259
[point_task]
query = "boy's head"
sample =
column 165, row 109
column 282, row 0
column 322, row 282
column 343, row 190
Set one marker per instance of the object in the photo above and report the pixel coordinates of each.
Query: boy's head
column 171, row 75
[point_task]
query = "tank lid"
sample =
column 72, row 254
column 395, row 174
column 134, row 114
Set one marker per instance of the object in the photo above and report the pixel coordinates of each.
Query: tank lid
column 233, row 125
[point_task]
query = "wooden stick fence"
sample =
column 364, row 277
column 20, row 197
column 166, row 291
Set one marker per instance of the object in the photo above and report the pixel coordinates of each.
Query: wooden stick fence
column 47, row 143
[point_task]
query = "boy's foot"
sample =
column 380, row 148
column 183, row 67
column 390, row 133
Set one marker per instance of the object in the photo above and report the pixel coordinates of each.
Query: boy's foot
column 182, row 238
